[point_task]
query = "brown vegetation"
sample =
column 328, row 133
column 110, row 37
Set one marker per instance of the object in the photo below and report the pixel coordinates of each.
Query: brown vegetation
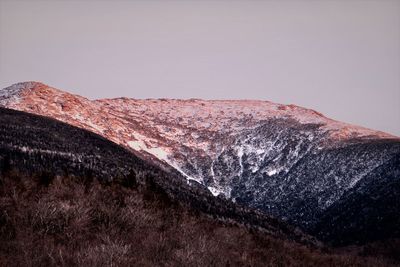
column 66, row 221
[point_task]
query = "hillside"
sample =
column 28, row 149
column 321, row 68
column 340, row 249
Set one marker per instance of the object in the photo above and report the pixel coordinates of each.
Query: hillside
column 283, row 160
column 70, row 197
column 35, row 144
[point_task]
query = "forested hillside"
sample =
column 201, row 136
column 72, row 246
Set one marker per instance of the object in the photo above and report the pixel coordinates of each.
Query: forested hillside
column 69, row 197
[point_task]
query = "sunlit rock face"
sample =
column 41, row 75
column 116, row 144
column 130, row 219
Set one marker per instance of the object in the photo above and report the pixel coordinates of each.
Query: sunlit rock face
column 285, row 160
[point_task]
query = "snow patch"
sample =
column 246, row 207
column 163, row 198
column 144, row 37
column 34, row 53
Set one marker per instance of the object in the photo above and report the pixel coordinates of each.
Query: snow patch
column 214, row 191
column 240, row 155
column 88, row 122
column 95, row 126
column 155, row 151
column 10, row 95
column 188, row 178
column 141, row 145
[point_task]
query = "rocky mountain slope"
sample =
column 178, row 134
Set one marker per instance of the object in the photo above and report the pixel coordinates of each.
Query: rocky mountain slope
column 285, row 160
column 69, row 197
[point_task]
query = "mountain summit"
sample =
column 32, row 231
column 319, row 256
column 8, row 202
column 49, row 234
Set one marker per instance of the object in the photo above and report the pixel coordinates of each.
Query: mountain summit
column 285, row 160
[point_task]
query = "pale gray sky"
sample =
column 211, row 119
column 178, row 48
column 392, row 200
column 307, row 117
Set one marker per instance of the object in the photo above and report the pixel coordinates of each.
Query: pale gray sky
column 341, row 58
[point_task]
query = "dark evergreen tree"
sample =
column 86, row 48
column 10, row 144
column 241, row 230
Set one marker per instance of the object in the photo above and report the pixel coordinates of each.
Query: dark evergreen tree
column 130, row 180
column 45, row 178
column 6, row 165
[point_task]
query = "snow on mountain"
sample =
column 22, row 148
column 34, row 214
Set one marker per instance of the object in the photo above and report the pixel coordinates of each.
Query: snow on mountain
column 286, row 160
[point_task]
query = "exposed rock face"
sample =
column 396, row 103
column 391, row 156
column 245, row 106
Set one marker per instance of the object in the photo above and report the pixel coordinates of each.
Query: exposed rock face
column 283, row 159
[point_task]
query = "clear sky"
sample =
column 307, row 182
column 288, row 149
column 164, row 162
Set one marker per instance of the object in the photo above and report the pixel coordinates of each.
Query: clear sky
column 341, row 58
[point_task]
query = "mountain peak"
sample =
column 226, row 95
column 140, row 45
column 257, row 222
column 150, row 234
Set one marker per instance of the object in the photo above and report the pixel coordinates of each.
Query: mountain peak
column 31, row 84
column 37, row 97
column 16, row 90
column 22, row 86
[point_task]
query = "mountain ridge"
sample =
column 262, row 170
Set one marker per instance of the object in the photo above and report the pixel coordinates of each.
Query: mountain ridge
column 284, row 160
column 32, row 86
column 71, row 197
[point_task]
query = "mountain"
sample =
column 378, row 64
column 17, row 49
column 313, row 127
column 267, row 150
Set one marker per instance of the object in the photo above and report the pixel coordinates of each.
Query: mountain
column 35, row 144
column 69, row 197
column 283, row 160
